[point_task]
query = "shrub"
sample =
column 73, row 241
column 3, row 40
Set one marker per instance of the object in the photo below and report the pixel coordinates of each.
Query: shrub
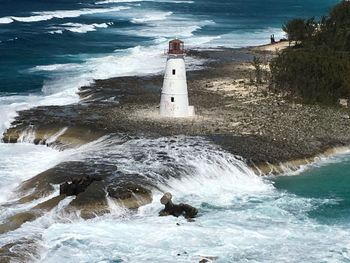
column 317, row 70
column 315, row 76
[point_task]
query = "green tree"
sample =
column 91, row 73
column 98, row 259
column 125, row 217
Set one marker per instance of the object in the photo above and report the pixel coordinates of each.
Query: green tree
column 319, row 70
column 295, row 30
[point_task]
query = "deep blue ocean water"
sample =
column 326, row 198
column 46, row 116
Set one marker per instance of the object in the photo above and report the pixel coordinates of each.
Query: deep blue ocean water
column 41, row 34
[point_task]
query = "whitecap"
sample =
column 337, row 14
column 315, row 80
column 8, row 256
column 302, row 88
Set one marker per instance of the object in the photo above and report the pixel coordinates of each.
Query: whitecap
column 242, row 217
column 48, row 15
column 6, row 20
column 56, row 32
column 116, row 1
column 152, row 16
column 131, row 1
column 84, row 28
column 22, row 161
column 55, row 67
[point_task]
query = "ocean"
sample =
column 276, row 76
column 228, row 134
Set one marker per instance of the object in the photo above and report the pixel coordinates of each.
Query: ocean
column 48, row 49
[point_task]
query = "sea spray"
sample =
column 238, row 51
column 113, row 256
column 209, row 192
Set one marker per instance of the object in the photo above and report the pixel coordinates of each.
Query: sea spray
column 22, row 161
column 242, row 217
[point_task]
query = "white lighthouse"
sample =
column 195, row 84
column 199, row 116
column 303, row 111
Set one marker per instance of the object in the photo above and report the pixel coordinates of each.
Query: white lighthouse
column 174, row 98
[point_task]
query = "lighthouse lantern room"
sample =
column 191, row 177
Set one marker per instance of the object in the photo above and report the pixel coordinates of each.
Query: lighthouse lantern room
column 174, row 97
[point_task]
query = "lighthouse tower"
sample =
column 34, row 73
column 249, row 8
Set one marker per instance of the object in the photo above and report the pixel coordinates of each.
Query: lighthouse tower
column 174, row 98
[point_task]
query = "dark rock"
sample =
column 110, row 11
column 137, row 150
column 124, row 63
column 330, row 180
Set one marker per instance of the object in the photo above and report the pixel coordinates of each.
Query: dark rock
column 92, row 202
column 176, row 210
column 124, row 190
column 130, row 193
column 206, row 259
column 77, row 185
column 22, row 250
column 93, row 195
column 17, row 220
column 60, row 174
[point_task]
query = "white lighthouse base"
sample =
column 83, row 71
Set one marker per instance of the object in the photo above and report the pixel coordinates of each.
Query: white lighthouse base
column 191, row 112
column 170, row 113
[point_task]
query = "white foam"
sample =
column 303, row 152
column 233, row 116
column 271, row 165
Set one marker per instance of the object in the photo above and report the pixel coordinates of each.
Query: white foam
column 134, row 61
column 116, row 1
column 83, row 28
column 152, row 16
column 22, row 161
column 131, row 1
column 158, row 23
column 56, row 32
column 55, row 67
column 6, row 20
column 10, row 105
column 80, row 28
column 242, row 217
column 48, row 15
column 27, row 135
column 55, row 136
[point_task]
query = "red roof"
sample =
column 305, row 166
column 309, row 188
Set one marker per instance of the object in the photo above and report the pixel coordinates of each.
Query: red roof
column 176, row 47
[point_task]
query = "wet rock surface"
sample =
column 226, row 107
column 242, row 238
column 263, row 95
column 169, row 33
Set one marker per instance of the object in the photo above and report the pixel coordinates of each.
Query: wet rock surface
column 23, row 250
column 77, row 185
column 244, row 119
column 176, row 210
column 90, row 183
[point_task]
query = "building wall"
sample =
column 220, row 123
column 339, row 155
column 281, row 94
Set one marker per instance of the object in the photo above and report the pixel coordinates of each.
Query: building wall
column 174, row 98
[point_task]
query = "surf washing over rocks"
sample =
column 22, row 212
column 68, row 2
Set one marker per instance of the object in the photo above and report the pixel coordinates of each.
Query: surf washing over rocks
column 242, row 217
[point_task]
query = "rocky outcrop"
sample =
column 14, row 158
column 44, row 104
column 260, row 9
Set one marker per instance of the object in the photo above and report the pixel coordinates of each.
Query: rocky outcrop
column 90, row 183
column 17, row 220
column 130, row 194
column 22, row 250
column 255, row 123
column 42, row 184
column 77, row 185
column 65, row 135
column 91, row 202
column 176, row 209
column 245, row 120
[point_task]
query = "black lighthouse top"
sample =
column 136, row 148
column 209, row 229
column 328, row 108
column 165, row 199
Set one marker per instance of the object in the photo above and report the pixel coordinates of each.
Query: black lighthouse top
column 176, row 47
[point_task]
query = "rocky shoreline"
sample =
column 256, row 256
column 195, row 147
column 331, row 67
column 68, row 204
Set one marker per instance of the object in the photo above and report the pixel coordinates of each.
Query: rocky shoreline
column 245, row 118
column 232, row 111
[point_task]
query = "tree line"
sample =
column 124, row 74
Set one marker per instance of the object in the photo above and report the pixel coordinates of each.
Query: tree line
column 317, row 67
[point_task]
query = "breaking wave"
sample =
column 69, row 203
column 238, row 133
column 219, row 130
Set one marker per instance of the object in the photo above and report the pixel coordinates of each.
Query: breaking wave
column 6, row 20
column 59, row 14
column 80, row 28
column 152, row 16
column 131, row 1
column 242, row 218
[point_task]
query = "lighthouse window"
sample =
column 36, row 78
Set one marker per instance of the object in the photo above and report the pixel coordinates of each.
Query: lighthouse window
column 173, row 71
column 172, row 99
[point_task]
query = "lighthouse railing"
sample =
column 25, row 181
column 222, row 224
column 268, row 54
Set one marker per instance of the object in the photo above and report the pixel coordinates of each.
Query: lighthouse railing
column 182, row 52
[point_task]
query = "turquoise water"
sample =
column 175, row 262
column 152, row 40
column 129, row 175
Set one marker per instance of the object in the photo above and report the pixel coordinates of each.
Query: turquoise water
column 328, row 181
